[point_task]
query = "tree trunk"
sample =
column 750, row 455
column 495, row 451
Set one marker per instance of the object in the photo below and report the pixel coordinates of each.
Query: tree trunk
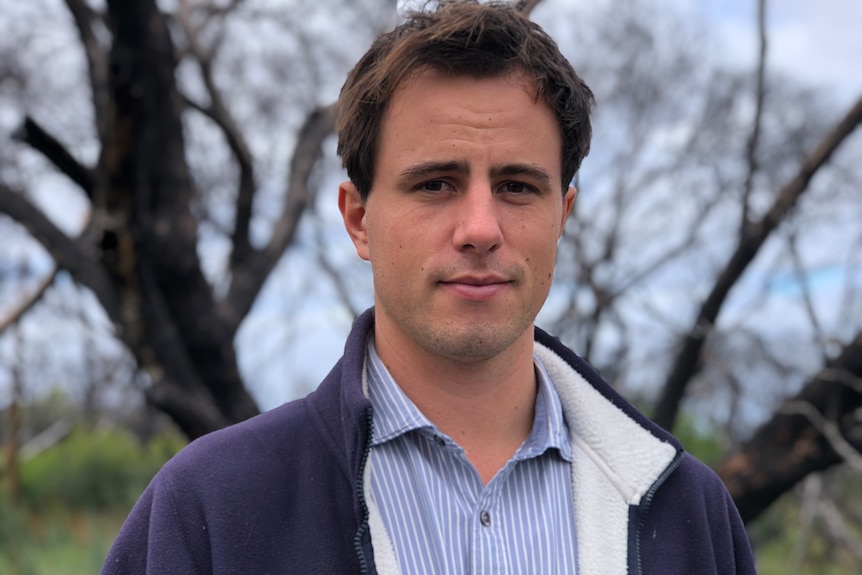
column 168, row 314
column 818, row 428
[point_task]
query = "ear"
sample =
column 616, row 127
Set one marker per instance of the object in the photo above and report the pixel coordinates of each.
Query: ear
column 568, row 202
column 353, row 212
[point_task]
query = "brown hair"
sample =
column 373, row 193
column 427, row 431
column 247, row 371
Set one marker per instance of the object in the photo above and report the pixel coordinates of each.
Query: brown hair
column 459, row 37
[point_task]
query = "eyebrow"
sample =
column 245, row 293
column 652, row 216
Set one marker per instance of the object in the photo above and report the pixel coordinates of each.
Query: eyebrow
column 530, row 170
column 428, row 169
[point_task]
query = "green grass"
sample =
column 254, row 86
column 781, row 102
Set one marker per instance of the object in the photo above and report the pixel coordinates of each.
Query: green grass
column 58, row 542
column 73, row 499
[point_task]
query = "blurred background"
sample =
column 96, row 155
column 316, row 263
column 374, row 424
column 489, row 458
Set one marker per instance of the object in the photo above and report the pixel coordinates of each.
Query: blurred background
column 172, row 259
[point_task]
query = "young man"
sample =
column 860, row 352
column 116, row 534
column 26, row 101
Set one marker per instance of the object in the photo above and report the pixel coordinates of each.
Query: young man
column 453, row 436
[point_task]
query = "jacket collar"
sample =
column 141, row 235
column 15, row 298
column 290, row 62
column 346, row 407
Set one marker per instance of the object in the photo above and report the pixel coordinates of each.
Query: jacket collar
column 619, row 454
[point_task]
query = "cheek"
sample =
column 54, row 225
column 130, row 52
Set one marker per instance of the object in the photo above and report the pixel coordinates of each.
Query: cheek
column 389, row 249
column 543, row 262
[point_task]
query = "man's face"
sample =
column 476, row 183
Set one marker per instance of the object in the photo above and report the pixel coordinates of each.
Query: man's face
column 462, row 220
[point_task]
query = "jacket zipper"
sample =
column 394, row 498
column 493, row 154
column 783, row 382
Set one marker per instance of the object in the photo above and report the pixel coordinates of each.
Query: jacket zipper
column 360, row 493
column 647, row 502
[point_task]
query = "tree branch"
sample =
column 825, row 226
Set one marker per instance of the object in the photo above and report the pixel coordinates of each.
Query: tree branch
column 67, row 253
column 249, row 276
column 29, row 300
column 753, row 237
column 221, row 12
column 837, row 527
column 526, row 6
column 757, row 122
column 218, row 112
column 38, row 138
column 829, row 429
column 97, row 61
column 792, row 444
column 336, row 276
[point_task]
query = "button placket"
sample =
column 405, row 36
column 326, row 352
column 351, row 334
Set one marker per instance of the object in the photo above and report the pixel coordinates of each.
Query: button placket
column 488, row 554
column 487, row 501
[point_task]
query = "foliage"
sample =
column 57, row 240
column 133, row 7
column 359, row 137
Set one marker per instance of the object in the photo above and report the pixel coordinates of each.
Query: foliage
column 702, row 441
column 95, row 469
column 13, row 524
column 55, row 542
column 73, row 499
column 802, row 533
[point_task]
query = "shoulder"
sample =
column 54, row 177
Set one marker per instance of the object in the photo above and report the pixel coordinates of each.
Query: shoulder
column 278, row 441
column 262, row 431
column 233, row 498
column 694, row 495
column 692, row 520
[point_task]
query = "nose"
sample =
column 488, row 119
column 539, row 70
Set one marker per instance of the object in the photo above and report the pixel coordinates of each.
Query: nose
column 478, row 221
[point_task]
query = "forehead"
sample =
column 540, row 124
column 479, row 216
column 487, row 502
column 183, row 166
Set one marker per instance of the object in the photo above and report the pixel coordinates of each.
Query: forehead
column 436, row 114
column 431, row 75
column 432, row 95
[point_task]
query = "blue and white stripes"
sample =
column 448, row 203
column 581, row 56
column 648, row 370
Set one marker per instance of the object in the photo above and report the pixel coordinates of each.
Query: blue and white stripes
column 439, row 516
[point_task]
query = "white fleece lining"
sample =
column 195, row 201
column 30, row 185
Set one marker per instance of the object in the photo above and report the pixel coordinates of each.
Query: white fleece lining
column 384, row 552
column 614, row 462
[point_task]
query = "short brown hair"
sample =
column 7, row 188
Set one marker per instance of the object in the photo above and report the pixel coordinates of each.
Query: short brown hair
column 459, row 37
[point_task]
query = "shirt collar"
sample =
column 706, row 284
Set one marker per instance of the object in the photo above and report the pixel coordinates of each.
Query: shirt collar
column 394, row 414
column 549, row 427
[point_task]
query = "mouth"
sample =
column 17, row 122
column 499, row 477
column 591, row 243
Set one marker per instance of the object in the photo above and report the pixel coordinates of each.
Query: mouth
column 476, row 288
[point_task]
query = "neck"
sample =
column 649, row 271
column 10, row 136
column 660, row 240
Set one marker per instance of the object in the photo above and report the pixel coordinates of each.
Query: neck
column 487, row 406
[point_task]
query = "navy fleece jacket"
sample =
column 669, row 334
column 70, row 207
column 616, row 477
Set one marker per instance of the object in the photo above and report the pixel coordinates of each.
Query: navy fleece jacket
column 285, row 492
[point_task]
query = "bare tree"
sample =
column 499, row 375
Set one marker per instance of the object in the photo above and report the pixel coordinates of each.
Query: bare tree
column 702, row 179
column 705, row 184
column 817, row 428
column 152, row 74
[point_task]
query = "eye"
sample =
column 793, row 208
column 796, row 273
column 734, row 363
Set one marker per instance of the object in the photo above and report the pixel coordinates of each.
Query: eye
column 434, row 186
column 516, row 188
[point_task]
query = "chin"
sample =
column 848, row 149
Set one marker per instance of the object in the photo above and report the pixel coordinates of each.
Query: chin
column 471, row 343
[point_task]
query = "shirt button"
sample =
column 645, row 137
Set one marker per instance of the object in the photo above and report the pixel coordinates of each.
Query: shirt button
column 485, row 518
column 440, row 441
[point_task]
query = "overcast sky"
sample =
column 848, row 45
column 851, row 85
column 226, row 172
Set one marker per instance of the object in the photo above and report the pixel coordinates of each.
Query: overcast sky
column 819, row 42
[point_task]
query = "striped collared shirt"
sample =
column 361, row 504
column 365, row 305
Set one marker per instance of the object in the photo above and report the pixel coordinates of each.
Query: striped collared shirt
column 442, row 519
